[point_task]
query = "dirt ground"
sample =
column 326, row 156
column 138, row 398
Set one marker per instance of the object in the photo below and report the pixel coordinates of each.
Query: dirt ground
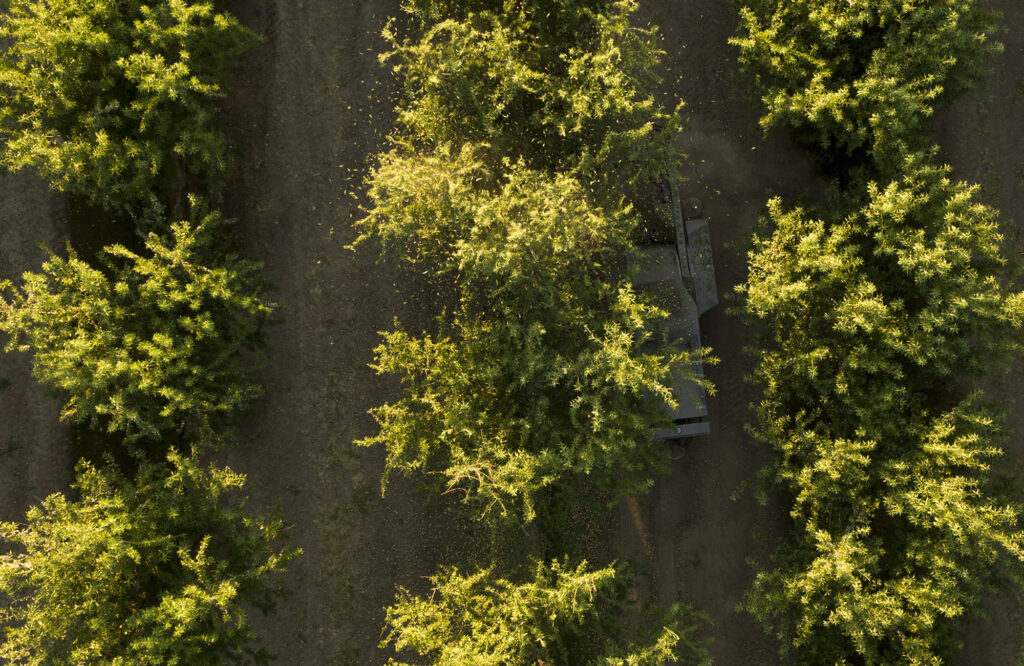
column 35, row 459
column 307, row 111
column 982, row 136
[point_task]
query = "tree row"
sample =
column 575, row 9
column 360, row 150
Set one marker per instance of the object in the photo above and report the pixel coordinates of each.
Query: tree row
column 883, row 309
column 523, row 130
column 153, row 558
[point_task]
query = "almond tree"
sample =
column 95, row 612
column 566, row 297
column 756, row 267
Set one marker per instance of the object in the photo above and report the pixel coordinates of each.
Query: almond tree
column 876, row 320
column 163, row 568
column 562, row 615
column 115, row 100
column 522, row 126
column 862, row 76
column 152, row 348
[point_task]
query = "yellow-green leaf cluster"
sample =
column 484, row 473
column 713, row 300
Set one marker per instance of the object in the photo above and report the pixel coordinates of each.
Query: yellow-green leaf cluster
column 882, row 313
column 563, row 615
column 162, row 569
column 561, row 86
column 876, row 320
column 862, row 75
column 115, row 100
column 155, row 346
column 522, row 125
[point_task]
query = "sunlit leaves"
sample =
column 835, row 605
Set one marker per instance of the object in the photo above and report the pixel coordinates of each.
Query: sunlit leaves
column 560, row 86
column 536, row 374
column 563, row 615
column 521, row 126
column 152, row 347
column 114, row 100
column 880, row 312
column 160, row 570
column 863, row 74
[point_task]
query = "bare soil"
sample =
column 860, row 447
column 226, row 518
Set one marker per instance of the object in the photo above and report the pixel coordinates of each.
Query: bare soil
column 35, row 457
column 982, row 136
column 307, row 112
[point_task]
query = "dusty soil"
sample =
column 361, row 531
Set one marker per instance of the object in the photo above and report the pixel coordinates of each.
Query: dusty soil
column 307, row 112
column 981, row 136
column 34, row 449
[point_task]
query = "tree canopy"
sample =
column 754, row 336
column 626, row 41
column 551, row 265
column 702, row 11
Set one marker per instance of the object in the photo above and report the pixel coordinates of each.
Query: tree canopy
column 902, row 290
column 535, row 374
column 877, row 319
column 882, row 311
column 563, row 615
column 157, row 561
column 560, row 86
column 521, row 127
column 863, row 75
column 161, row 569
column 153, row 346
column 114, row 100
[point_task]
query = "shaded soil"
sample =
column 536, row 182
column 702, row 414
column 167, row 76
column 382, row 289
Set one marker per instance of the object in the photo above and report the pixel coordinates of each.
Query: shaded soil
column 307, row 112
column 35, row 457
column 981, row 137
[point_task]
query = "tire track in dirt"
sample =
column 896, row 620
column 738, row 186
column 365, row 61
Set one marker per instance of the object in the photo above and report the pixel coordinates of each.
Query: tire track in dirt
column 981, row 137
column 702, row 537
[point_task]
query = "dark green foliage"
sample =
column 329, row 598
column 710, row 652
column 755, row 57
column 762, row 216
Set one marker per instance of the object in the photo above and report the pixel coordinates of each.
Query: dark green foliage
column 862, row 75
column 114, row 100
column 563, row 615
column 159, row 570
column 520, row 130
column 151, row 347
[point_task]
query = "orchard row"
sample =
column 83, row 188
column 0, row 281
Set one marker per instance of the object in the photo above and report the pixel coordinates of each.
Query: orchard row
column 882, row 311
column 523, row 129
column 148, row 342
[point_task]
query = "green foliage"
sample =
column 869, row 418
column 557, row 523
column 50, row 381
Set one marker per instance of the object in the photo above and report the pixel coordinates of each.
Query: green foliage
column 536, row 374
column 159, row 570
column 563, row 86
column 115, row 99
column 877, row 319
column 523, row 123
column 151, row 346
column 862, row 74
column 904, row 290
column 891, row 549
column 881, row 316
column 522, row 127
column 562, row 616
